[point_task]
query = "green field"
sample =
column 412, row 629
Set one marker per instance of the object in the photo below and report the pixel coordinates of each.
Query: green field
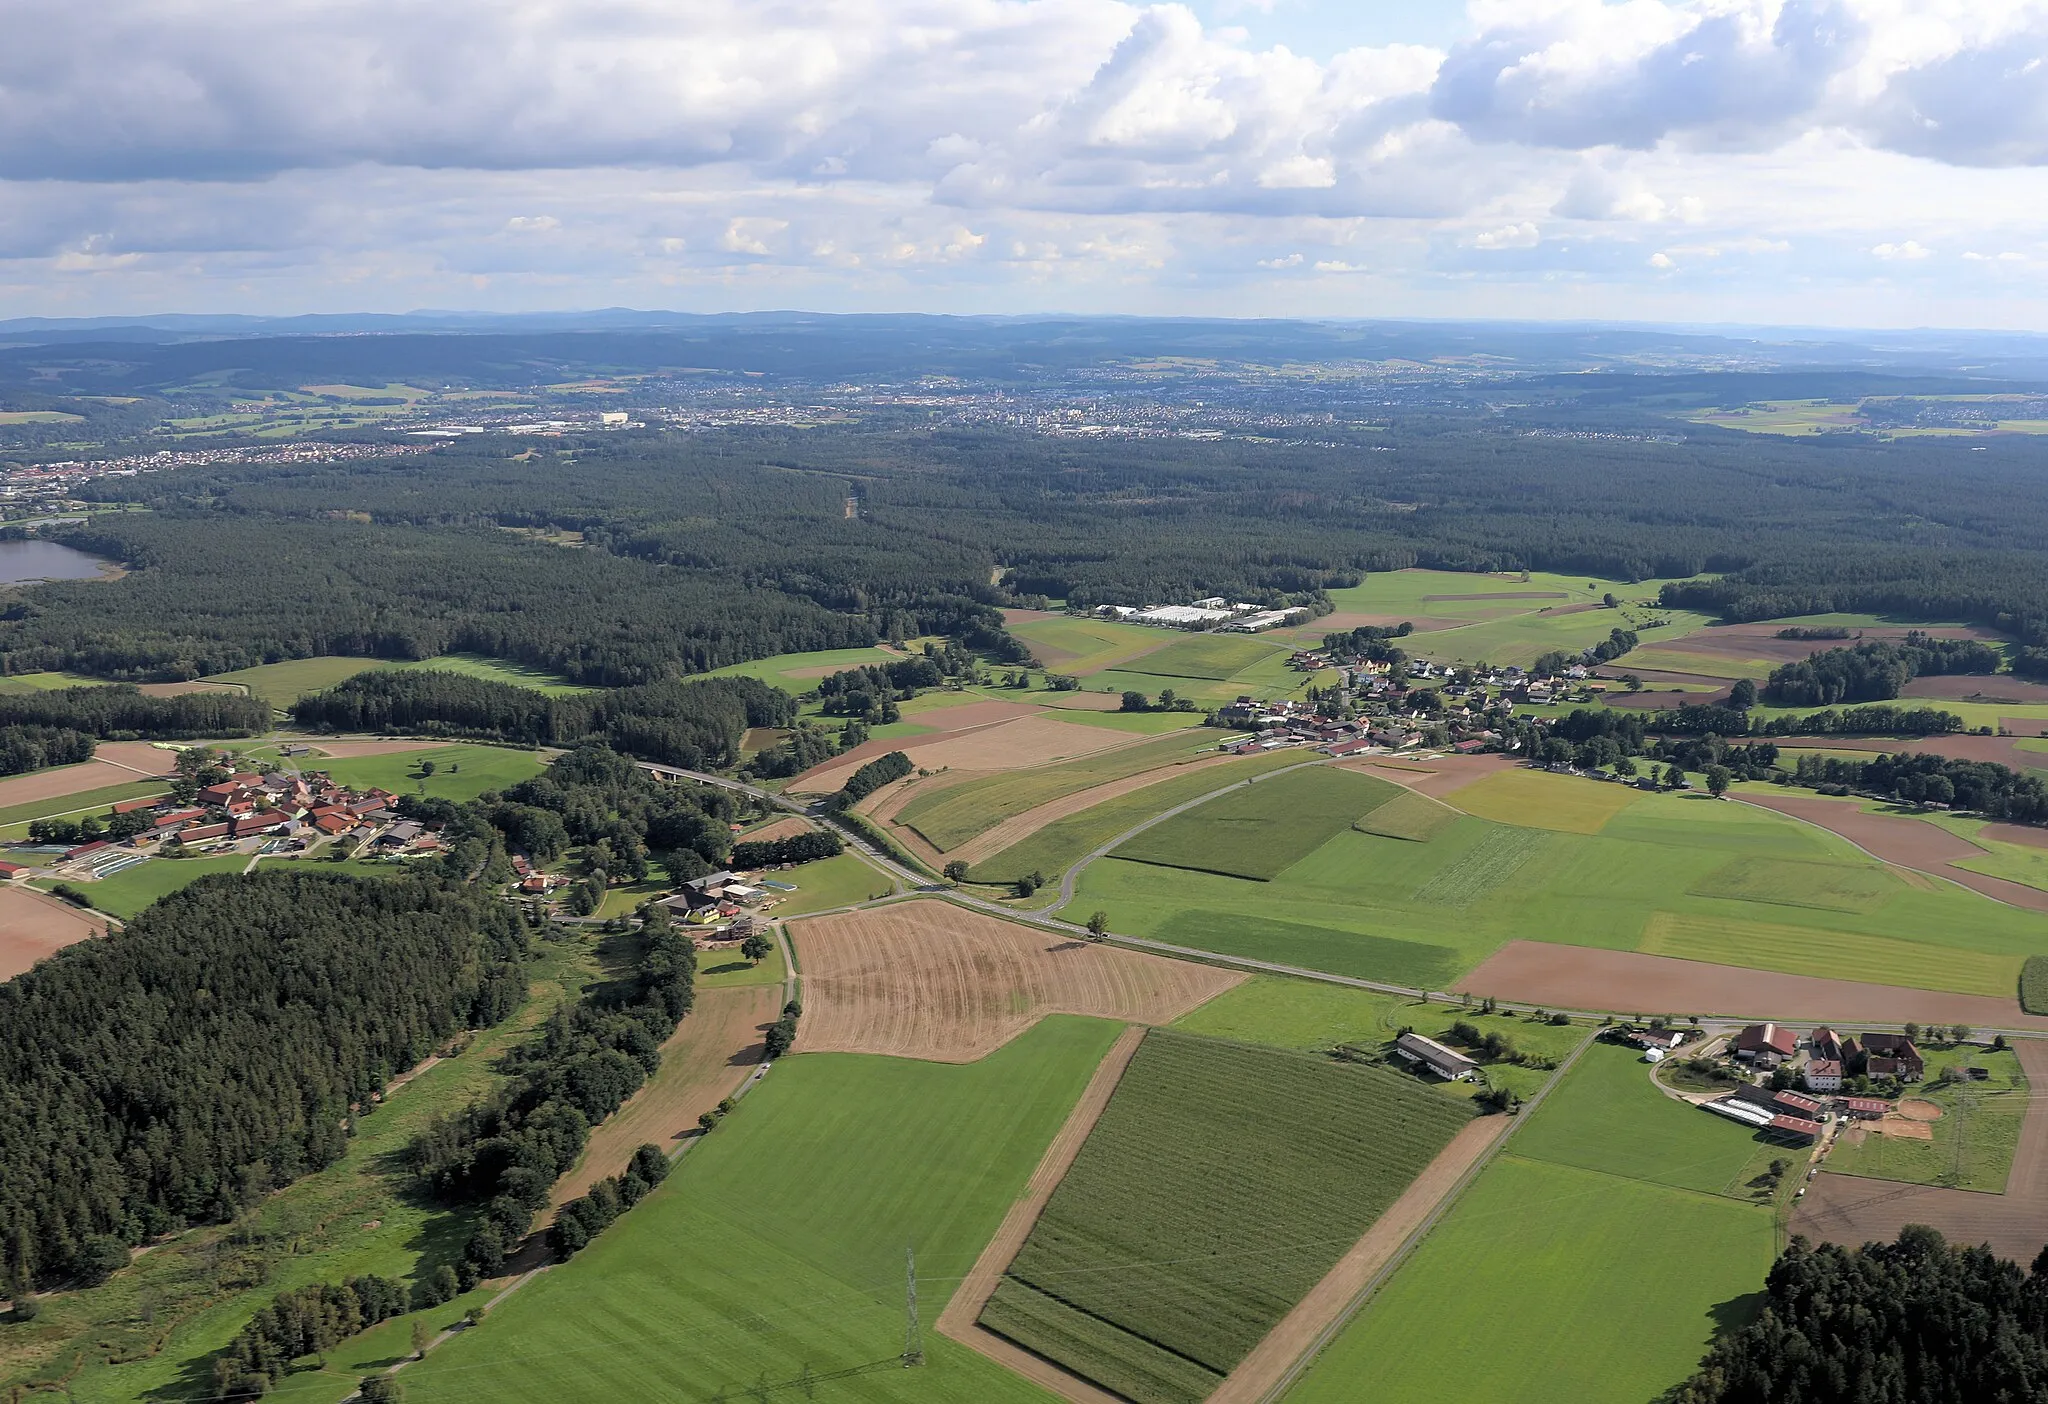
column 1219, row 1186
column 718, row 970
column 168, row 1313
column 1082, row 646
column 948, row 818
column 829, row 882
column 1592, row 1261
column 775, row 1253
column 281, row 684
column 1314, row 1017
column 1566, row 803
column 475, row 665
column 1528, row 615
column 85, row 801
column 1411, row 816
column 2015, row 862
column 1973, row 1141
column 1210, row 656
column 461, row 772
column 1258, row 831
column 47, row 682
column 1065, row 842
column 128, row 892
column 1387, row 908
column 799, row 672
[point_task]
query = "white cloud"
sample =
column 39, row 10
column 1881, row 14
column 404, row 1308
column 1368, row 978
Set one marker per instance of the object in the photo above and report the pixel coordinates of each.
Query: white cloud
column 1663, row 262
column 850, row 148
column 1510, row 236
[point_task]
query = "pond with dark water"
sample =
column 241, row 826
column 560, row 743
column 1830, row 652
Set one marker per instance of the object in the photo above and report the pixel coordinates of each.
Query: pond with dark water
column 22, row 561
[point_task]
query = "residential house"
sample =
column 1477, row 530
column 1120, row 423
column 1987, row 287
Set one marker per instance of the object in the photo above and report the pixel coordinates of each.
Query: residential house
column 1823, row 1074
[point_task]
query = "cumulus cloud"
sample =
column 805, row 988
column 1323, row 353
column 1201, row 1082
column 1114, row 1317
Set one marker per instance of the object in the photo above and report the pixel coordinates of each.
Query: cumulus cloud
column 1004, row 138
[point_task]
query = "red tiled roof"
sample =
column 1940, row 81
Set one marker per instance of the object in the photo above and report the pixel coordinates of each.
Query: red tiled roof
column 1798, row 1125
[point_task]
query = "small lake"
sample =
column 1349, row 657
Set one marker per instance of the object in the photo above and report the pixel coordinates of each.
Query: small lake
column 45, row 560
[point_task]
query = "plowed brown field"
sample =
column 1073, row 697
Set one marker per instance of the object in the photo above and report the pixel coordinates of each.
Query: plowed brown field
column 1582, row 977
column 1031, row 740
column 95, row 774
column 1851, row 1210
column 1901, row 839
column 780, row 829
column 1964, row 687
column 926, row 979
column 33, row 926
column 1437, row 777
column 711, row 1052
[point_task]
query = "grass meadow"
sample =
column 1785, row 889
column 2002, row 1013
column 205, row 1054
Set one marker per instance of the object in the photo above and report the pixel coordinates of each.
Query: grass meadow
column 948, row 818
column 799, row 672
column 1258, row 831
column 1411, row 816
column 476, row 665
column 1669, row 874
column 1974, row 1139
column 461, row 772
column 281, row 684
column 1211, row 657
column 129, row 891
column 1083, row 647
column 827, row 883
column 82, row 802
column 1539, row 800
column 1591, row 1261
column 775, row 1253
column 1064, row 842
column 1171, row 1246
column 174, row 1307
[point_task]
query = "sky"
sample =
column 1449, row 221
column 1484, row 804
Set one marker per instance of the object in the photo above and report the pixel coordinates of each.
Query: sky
column 1862, row 163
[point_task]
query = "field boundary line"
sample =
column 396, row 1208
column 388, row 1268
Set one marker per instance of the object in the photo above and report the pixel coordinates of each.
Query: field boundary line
column 960, row 1321
column 1301, row 1362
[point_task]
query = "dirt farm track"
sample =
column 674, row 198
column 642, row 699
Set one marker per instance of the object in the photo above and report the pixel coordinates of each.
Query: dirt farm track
column 926, row 979
column 1851, row 1210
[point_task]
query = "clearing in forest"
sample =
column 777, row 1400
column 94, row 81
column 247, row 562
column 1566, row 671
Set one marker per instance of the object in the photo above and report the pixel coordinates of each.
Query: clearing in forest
column 926, row 979
column 1263, row 828
column 1219, row 1186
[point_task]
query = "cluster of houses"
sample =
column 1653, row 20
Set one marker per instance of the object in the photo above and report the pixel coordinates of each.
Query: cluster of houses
column 1288, row 722
column 294, row 809
column 1829, row 1060
column 724, row 897
column 1216, row 612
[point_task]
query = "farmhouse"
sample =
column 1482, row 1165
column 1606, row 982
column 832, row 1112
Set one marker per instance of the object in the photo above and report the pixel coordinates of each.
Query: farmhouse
column 1825, row 1044
column 1445, row 1062
column 1823, row 1075
column 1893, row 1055
column 1765, row 1043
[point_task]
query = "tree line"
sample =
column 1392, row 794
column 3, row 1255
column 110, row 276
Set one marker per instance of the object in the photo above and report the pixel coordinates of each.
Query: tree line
column 1920, row 777
column 505, row 1151
column 1875, row 671
column 797, row 848
column 309, row 1320
column 869, row 778
column 121, row 713
column 1916, row 1321
column 24, row 748
column 693, row 725
column 176, row 1071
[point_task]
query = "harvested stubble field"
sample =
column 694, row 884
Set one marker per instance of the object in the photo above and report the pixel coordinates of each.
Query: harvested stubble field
column 1436, row 776
column 1028, row 741
column 925, row 979
column 950, row 817
column 1258, row 831
column 776, row 829
column 1806, row 950
column 99, row 773
column 1168, row 1252
column 33, row 926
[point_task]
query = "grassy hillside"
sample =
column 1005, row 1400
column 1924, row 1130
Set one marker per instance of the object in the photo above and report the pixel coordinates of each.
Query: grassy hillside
column 1265, row 827
column 1587, row 1263
column 1220, row 1184
column 775, row 1253
column 1667, row 874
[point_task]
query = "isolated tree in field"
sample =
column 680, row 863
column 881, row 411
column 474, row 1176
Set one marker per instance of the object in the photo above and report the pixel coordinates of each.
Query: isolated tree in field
column 1717, row 780
column 1136, row 702
column 956, row 871
column 756, row 947
column 1098, row 925
column 1742, row 696
column 428, row 767
column 420, row 1337
column 379, row 1389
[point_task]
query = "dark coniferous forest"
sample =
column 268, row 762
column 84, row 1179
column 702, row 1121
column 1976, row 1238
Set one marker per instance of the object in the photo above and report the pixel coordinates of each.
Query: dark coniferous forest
column 181, row 1069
